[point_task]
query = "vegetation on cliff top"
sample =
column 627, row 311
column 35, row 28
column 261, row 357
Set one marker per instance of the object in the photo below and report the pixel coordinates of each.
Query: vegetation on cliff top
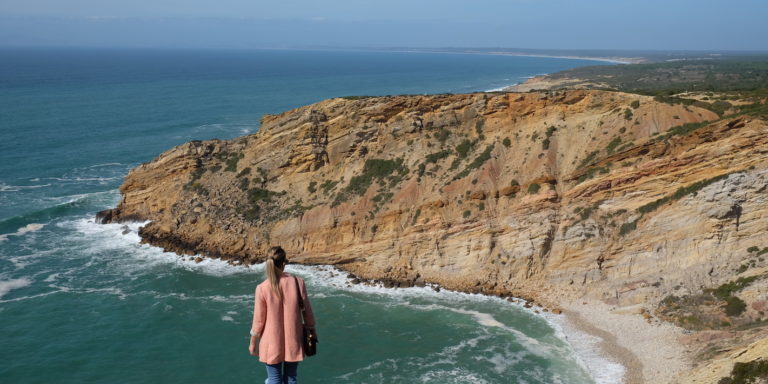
column 675, row 77
column 720, row 81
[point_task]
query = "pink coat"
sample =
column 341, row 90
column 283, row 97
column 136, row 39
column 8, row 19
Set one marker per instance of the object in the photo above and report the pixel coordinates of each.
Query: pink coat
column 279, row 323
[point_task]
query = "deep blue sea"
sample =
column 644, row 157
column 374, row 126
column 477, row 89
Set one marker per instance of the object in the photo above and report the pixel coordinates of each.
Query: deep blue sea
column 81, row 302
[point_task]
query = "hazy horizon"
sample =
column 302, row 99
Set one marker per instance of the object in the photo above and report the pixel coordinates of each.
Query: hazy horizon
column 654, row 25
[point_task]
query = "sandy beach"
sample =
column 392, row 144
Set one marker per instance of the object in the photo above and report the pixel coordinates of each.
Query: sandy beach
column 649, row 351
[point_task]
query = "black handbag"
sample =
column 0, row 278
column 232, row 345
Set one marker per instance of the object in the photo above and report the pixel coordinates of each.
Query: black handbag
column 309, row 338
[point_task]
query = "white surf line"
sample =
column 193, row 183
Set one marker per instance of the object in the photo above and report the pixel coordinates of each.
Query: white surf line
column 603, row 369
column 585, row 347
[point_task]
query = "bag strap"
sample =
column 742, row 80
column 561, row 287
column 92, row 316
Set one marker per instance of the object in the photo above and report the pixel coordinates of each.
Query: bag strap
column 301, row 301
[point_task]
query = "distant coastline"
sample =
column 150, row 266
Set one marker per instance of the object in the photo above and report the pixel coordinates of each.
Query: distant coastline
column 617, row 60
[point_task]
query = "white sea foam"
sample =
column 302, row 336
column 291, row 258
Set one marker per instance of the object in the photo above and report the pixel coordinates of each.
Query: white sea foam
column 583, row 346
column 454, row 375
column 108, row 290
column 587, row 351
column 15, row 188
column 484, row 319
column 226, row 127
column 77, row 179
column 104, row 165
column 23, row 298
column 51, row 278
column 502, row 88
column 106, row 197
column 227, row 318
column 106, row 237
column 329, row 276
column 23, row 230
column 8, row 285
column 502, row 362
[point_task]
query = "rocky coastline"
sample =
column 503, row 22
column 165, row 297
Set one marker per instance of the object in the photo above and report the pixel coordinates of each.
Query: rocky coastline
column 558, row 197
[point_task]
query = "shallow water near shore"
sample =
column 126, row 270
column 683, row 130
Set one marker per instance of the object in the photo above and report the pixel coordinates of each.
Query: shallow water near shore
column 81, row 302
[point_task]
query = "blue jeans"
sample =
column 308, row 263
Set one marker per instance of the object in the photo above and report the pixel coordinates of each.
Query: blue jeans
column 282, row 373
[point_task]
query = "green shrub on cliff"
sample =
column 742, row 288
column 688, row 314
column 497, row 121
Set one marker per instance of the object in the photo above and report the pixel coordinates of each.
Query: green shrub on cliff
column 434, row 157
column 592, row 171
column 476, row 163
column 421, row 169
column 550, row 131
column 231, row 164
column 611, row 147
column 379, row 170
column 728, row 289
column 684, row 129
column 198, row 188
column 328, row 185
column 442, row 135
column 628, row 227
column 533, row 189
column 680, row 193
column 479, row 125
column 734, row 306
column 747, row 373
column 463, row 148
column 416, row 216
column 246, row 171
column 256, row 195
column 589, row 159
column 196, row 174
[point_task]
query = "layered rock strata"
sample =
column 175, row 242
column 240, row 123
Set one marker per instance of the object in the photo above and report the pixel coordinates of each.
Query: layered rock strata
column 543, row 195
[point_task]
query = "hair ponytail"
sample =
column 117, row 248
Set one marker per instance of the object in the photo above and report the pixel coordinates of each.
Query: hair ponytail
column 274, row 268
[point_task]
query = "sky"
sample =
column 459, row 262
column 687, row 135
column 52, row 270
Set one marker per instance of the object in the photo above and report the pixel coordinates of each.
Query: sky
column 736, row 25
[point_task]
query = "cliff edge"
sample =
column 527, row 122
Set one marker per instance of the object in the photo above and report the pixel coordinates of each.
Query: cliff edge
column 551, row 196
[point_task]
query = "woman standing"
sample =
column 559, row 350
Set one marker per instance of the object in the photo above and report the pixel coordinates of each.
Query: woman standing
column 277, row 321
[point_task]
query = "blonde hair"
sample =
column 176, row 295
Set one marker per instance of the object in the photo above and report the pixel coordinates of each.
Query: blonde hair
column 275, row 264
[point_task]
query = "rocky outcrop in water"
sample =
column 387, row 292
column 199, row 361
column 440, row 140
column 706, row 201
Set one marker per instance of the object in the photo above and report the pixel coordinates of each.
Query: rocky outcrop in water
column 543, row 195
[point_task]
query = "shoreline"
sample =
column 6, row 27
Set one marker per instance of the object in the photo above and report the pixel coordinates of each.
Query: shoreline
column 590, row 58
column 589, row 353
column 509, row 87
column 647, row 349
column 582, row 324
column 614, row 60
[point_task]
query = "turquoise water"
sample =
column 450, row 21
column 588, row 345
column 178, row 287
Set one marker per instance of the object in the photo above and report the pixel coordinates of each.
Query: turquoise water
column 81, row 302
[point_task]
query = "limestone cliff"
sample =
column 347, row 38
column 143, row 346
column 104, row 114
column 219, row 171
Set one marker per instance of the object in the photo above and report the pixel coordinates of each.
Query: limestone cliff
column 544, row 195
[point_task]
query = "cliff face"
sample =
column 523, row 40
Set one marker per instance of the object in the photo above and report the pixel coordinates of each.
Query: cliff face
column 475, row 192
column 544, row 195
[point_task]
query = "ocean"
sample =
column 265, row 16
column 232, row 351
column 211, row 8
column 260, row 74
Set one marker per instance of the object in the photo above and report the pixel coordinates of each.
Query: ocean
column 82, row 302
